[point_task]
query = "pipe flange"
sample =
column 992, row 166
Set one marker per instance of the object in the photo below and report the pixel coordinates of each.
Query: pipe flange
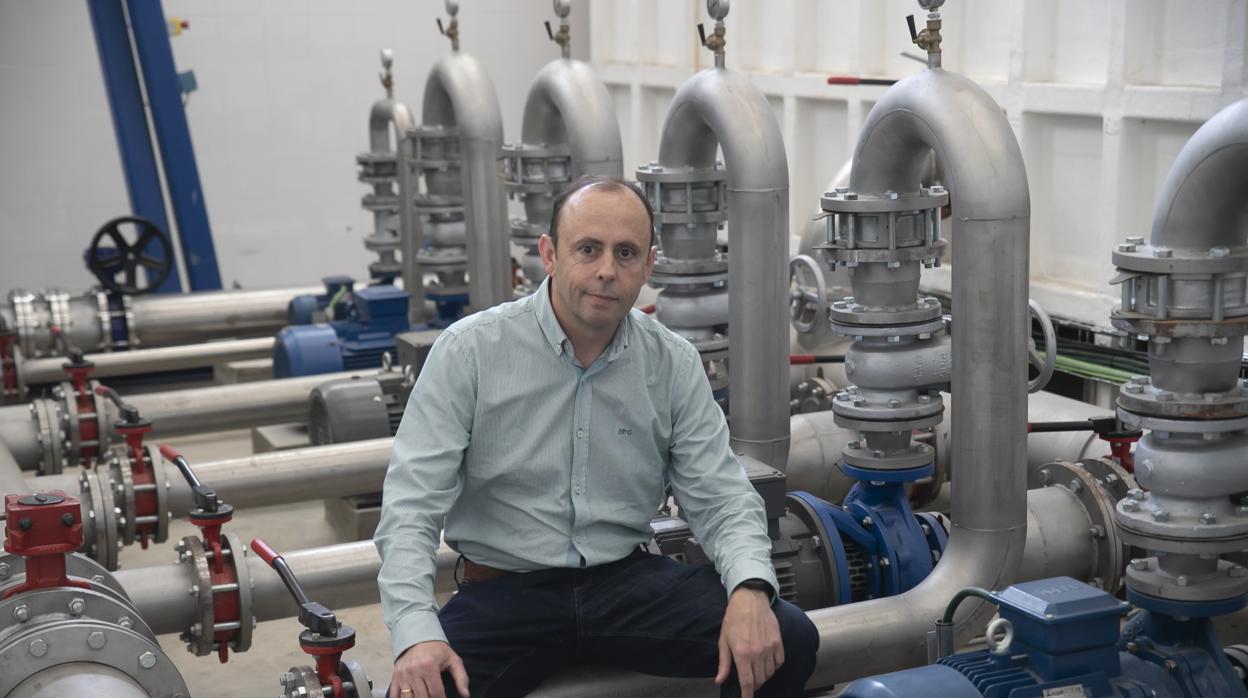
column 917, row 455
column 1135, row 421
column 1141, row 397
column 848, row 313
column 655, row 172
column 363, row 682
column 435, row 147
column 685, row 195
column 119, row 647
column 843, row 418
column 698, row 268
column 199, row 637
column 58, row 309
column 103, row 515
column 442, row 260
column 842, row 200
column 1133, row 254
column 1177, row 525
column 56, row 605
column 662, row 281
column 52, row 436
column 536, row 169
column 1095, row 484
column 104, row 314
column 525, row 233
column 24, row 322
column 161, row 483
column 246, row 609
column 1229, row 581
column 438, row 204
column 1144, row 325
column 890, row 333
column 384, row 202
column 123, row 486
column 76, row 565
column 300, row 682
column 383, row 242
column 904, row 405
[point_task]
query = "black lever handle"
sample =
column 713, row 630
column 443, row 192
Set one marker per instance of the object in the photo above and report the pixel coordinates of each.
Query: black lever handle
column 312, row 615
column 549, row 32
column 914, row 35
column 702, row 33
column 129, row 413
column 440, row 29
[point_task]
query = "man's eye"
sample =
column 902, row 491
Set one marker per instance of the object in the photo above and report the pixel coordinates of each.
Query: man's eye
column 626, row 253
column 587, row 249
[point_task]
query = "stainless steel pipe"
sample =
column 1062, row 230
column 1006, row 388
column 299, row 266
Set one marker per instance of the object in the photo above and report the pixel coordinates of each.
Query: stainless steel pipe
column 1197, row 208
column 339, row 576
column 156, row 360
column 460, row 95
column 715, row 109
column 950, row 114
column 162, row 320
column 265, row 479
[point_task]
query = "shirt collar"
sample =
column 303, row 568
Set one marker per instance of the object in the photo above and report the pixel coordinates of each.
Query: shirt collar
column 558, row 339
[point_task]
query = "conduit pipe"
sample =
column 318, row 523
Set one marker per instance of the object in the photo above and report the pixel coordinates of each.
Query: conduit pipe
column 459, row 95
column 984, row 172
column 714, row 109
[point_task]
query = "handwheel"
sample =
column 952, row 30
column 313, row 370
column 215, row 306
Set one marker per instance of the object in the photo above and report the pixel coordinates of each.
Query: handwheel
column 807, row 306
column 124, row 245
column 1043, row 364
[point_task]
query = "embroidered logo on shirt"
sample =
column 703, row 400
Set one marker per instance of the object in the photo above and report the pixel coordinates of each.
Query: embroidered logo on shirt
column 624, row 431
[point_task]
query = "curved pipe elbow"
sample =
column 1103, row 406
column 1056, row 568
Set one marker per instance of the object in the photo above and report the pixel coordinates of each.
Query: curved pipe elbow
column 1202, row 204
column 950, row 114
column 385, row 115
column 568, row 103
column 721, row 108
column 459, row 93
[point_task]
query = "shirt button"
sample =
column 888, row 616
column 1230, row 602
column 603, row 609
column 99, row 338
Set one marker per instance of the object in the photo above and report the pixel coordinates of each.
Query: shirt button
column 579, row 539
column 578, row 489
column 580, row 433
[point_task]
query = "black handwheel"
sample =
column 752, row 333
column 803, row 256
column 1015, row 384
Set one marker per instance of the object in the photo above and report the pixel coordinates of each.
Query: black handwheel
column 133, row 242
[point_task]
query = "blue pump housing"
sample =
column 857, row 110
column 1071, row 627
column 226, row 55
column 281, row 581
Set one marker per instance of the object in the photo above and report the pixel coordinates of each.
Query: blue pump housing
column 302, row 310
column 358, row 340
column 1067, row 643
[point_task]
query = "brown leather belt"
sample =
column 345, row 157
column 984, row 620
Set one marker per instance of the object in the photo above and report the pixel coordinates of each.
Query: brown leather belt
column 474, row 572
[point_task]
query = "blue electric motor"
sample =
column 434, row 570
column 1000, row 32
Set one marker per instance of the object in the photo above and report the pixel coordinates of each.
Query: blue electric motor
column 335, row 302
column 1060, row 638
column 358, row 340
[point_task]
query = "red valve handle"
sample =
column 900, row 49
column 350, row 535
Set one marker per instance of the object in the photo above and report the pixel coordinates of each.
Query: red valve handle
column 264, row 550
column 169, row 452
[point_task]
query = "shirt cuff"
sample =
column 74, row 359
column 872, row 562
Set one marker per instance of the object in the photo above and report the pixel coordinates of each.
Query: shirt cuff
column 414, row 628
column 744, row 569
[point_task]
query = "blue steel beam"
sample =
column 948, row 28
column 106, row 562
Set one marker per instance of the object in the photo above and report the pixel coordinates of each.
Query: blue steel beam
column 173, row 135
column 125, row 101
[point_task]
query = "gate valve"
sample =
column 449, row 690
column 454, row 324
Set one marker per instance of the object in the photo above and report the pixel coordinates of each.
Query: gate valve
column 43, row 528
column 210, row 512
column 1108, row 429
column 325, row 638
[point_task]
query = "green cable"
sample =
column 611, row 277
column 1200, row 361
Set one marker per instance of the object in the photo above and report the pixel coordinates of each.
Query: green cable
column 961, row 596
column 1091, row 369
column 329, row 309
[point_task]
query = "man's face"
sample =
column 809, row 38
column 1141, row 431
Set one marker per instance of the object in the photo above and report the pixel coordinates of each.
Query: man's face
column 603, row 258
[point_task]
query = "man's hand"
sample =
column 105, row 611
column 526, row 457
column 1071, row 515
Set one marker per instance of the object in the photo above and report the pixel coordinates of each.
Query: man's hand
column 418, row 672
column 750, row 638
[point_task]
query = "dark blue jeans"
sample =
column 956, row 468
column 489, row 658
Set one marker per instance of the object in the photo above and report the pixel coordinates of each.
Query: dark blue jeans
column 646, row 613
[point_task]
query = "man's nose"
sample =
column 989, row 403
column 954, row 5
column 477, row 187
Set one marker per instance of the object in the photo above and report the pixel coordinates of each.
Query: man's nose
column 606, row 268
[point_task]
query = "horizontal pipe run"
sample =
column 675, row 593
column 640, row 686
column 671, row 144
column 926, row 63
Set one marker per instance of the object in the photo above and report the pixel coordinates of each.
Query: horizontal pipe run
column 155, row 360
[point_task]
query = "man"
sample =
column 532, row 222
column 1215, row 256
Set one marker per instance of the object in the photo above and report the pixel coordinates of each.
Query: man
column 545, row 431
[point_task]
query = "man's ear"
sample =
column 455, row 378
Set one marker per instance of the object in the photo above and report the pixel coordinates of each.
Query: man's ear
column 650, row 259
column 546, row 250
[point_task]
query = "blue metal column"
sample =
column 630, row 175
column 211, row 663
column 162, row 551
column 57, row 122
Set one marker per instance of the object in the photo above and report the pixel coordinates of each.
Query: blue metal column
column 164, row 96
column 125, row 101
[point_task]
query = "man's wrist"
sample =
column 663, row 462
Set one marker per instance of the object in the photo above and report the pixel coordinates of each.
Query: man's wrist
column 755, row 584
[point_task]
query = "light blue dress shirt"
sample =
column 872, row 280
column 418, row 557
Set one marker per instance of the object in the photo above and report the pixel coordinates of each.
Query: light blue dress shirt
column 534, row 461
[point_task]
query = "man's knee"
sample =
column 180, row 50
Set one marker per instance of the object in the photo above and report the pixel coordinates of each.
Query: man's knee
column 800, row 637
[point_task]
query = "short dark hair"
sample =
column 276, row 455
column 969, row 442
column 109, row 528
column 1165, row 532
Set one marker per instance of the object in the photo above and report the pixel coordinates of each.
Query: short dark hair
column 605, row 183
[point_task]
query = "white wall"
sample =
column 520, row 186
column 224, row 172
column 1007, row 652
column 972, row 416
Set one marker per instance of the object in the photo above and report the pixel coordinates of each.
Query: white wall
column 281, row 112
column 1101, row 94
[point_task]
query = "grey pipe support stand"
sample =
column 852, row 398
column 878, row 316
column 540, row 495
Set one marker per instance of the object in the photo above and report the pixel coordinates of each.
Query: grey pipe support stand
column 718, row 108
column 460, row 96
column 984, row 170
